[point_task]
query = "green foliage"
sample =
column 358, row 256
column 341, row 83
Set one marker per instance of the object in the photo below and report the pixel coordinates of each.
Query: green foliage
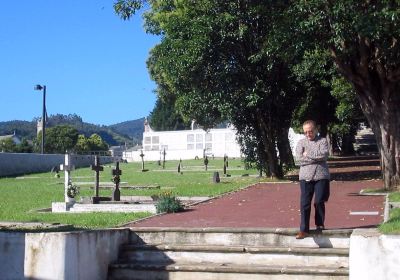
column 82, row 144
column 127, row 8
column 392, row 226
column 220, row 62
column 129, row 132
column 165, row 117
column 24, row 147
column 23, row 129
column 168, row 203
column 59, row 139
column 96, row 143
column 8, row 145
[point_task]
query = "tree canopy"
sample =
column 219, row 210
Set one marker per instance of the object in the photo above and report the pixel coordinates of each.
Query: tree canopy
column 246, row 61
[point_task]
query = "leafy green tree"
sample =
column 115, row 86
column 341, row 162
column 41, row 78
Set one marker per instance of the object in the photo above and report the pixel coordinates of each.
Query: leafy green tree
column 330, row 100
column 24, row 147
column 219, row 59
column 363, row 40
column 82, row 144
column 7, row 145
column 165, row 116
column 59, row 139
column 96, row 143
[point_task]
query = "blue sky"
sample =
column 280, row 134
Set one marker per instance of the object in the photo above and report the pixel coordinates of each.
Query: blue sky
column 92, row 62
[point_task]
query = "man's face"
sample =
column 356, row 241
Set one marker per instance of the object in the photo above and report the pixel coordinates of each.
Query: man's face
column 309, row 131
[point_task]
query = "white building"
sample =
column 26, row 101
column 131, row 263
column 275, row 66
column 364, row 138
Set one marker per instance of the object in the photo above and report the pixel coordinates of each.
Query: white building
column 186, row 144
column 189, row 144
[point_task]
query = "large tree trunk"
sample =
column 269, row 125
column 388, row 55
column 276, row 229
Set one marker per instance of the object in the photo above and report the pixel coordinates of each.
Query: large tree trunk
column 380, row 102
column 385, row 123
column 268, row 139
column 285, row 152
column 377, row 86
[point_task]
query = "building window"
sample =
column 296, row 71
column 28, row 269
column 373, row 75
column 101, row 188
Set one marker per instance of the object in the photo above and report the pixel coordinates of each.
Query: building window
column 155, row 139
column 147, row 148
column 155, row 148
column 190, row 146
column 199, row 137
column 190, row 138
column 199, row 146
column 208, row 146
column 208, row 137
column 147, row 140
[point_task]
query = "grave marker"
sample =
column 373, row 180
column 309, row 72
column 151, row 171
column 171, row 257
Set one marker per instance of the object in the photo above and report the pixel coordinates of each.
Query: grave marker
column 163, row 163
column 116, row 195
column 67, row 167
column 179, row 165
column 206, row 162
column 97, row 168
column 142, row 156
column 216, row 178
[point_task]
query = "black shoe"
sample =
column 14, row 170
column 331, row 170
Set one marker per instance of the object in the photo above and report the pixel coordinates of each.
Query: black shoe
column 320, row 228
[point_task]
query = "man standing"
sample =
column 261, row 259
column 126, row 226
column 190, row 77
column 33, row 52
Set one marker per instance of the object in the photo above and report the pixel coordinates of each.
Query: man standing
column 311, row 154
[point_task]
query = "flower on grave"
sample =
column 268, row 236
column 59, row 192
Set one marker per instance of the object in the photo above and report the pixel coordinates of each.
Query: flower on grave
column 72, row 190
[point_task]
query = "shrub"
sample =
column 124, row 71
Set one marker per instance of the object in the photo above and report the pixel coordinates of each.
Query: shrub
column 168, row 203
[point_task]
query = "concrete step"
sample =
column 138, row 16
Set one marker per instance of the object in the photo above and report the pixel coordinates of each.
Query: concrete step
column 221, row 271
column 237, row 255
column 276, row 237
column 121, row 208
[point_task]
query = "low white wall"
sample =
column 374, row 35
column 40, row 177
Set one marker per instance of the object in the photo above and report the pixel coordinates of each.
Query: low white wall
column 59, row 255
column 374, row 255
column 171, row 155
column 12, row 164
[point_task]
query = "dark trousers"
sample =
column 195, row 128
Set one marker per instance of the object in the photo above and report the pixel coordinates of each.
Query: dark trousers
column 321, row 190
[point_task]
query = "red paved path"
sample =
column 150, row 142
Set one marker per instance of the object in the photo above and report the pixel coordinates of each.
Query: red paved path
column 276, row 205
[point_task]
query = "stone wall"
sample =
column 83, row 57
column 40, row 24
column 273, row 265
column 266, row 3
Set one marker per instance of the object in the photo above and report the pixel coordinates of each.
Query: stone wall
column 374, row 255
column 12, row 164
column 59, row 255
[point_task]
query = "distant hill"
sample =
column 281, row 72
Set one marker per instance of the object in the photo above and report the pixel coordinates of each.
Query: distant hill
column 133, row 129
column 117, row 134
column 23, row 129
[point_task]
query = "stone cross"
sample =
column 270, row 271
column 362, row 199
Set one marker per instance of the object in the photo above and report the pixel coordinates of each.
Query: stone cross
column 163, row 163
column 116, row 195
column 179, row 165
column 97, row 168
column 67, row 167
column 206, row 162
column 142, row 156
column 225, row 163
column 216, row 178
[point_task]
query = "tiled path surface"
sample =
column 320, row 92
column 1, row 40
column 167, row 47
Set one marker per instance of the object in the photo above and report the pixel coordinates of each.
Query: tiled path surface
column 277, row 205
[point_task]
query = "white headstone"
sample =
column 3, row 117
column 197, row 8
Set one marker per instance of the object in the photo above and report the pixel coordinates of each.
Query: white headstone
column 67, row 167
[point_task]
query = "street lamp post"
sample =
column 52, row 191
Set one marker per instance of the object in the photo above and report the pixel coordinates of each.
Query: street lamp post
column 39, row 87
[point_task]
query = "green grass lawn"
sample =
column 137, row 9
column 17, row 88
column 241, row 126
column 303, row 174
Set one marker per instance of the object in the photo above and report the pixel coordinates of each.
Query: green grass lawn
column 392, row 226
column 22, row 196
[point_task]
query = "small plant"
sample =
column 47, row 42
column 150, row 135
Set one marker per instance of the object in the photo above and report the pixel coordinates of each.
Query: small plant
column 72, row 190
column 168, row 203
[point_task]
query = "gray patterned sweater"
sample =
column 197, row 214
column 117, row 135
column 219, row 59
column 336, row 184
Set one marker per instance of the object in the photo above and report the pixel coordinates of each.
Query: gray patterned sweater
column 313, row 166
